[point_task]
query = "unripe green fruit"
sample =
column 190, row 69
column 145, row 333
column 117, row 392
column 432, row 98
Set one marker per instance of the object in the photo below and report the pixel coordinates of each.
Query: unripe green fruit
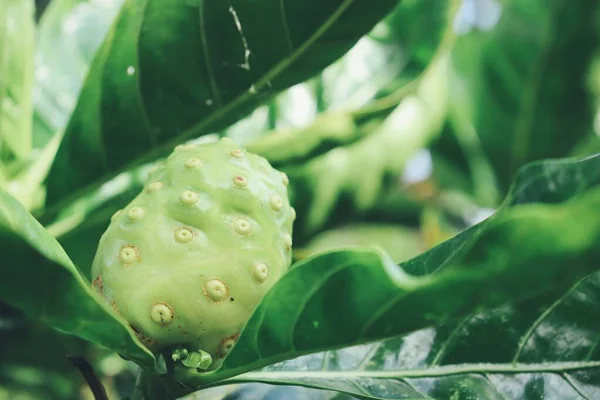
column 190, row 258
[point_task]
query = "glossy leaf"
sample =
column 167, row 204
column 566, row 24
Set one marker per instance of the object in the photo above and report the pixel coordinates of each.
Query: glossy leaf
column 540, row 349
column 525, row 250
column 40, row 279
column 523, row 84
column 546, row 348
column 137, row 102
column 17, row 29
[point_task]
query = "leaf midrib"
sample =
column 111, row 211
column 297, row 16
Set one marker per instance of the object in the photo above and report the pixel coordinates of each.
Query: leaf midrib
column 198, row 128
column 448, row 370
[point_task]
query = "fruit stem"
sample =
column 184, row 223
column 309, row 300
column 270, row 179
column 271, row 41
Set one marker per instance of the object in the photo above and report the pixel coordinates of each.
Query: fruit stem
column 92, row 379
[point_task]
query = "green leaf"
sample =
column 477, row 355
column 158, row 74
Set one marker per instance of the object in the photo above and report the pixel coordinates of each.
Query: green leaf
column 40, row 279
column 17, row 28
column 540, row 349
column 523, row 84
column 137, row 102
column 525, row 250
column 548, row 347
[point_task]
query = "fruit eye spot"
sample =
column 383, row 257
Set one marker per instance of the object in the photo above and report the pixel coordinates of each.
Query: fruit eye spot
column 183, row 235
column 241, row 226
column 237, row 153
column 135, row 213
column 227, row 344
column 261, row 272
column 285, row 179
column 293, row 213
column 216, row 290
column 188, row 197
column 99, row 285
column 193, row 163
column 154, row 187
column 240, row 181
column 161, row 314
column 129, row 254
column 287, row 241
column 276, row 203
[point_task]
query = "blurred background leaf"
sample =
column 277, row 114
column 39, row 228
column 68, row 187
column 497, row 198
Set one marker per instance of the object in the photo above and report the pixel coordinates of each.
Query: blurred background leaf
column 17, row 30
column 68, row 36
column 521, row 84
column 347, row 181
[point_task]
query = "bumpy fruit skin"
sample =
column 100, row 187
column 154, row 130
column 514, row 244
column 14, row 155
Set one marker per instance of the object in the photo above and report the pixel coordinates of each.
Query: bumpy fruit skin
column 189, row 259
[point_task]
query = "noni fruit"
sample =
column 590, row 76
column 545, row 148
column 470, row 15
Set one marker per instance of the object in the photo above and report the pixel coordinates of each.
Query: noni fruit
column 189, row 259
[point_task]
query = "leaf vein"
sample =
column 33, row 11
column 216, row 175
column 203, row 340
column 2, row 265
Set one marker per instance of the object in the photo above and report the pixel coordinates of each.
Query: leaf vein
column 525, row 338
column 372, row 351
column 493, row 386
column 592, row 348
column 447, row 342
column 574, row 385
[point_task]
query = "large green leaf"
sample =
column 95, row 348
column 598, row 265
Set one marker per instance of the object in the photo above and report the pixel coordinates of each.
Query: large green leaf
column 523, row 84
column 17, row 28
column 546, row 348
column 541, row 243
column 169, row 72
column 40, row 279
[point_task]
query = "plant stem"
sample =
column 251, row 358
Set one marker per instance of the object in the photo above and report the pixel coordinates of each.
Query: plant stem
column 90, row 376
